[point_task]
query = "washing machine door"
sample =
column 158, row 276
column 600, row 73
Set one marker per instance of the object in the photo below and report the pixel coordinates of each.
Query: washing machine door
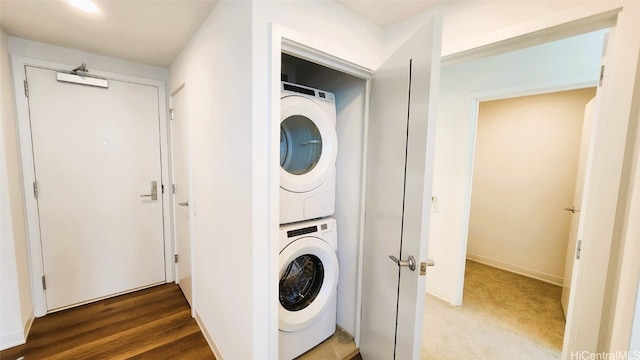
column 308, row 278
column 308, row 144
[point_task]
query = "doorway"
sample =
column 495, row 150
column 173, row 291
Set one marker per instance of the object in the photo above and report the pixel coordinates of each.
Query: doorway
column 525, row 166
column 549, row 67
column 92, row 150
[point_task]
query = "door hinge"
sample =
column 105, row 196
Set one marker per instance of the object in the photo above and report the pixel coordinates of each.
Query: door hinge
column 162, row 188
column 578, row 249
column 173, row 188
column 26, row 88
column 172, row 115
column 35, row 189
column 175, row 258
column 601, row 76
column 44, row 283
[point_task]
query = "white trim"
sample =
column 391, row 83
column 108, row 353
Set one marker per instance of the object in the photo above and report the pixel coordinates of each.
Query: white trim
column 13, row 339
column 363, row 202
column 300, row 49
column 28, row 175
column 574, row 21
column 521, row 270
column 18, row 338
column 208, row 337
column 286, row 40
column 536, row 88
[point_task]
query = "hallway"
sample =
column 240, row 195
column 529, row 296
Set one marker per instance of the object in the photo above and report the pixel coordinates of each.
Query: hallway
column 503, row 316
column 154, row 323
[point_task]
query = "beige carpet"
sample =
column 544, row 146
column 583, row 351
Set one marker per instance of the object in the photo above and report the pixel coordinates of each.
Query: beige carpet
column 504, row 316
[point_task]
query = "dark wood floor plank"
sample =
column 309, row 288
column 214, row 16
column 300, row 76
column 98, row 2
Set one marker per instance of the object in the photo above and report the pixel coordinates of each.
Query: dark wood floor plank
column 103, row 323
column 193, row 347
column 154, row 323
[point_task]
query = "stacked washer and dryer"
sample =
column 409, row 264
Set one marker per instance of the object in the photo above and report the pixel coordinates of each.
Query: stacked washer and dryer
column 308, row 236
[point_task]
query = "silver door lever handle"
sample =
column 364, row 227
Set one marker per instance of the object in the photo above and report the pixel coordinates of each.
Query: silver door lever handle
column 186, row 203
column 154, row 191
column 410, row 262
column 572, row 209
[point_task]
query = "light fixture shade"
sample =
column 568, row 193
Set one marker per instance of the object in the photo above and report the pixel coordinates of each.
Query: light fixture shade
column 85, row 5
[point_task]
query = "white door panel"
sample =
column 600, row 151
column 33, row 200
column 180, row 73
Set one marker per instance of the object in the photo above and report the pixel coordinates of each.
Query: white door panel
column 96, row 151
column 179, row 133
column 399, row 178
column 589, row 112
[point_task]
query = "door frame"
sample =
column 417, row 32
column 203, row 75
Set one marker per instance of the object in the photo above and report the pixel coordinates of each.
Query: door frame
column 173, row 200
column 600, row 219
column 34, row 250
column 476, row 99
column 283, row 39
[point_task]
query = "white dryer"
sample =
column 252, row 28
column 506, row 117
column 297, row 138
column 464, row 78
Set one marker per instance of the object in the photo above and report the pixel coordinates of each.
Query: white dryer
column 308, row 285
column 308, row 152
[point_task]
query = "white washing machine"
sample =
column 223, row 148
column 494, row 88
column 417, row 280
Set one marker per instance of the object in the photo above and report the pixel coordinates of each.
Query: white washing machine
column 308, row 285
column 308, row 152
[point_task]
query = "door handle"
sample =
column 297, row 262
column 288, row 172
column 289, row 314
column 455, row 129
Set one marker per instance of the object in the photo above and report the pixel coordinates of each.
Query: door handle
column 572, row 209
column 154, row 191
column 186, row 203
column 410, row 262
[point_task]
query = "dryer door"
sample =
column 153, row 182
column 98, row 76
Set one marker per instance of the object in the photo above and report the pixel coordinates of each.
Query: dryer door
column 308, row 144
column 308, row 278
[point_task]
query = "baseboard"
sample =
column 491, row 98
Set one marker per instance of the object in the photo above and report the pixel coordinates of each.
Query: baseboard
column 552, row 279
column 11, row 340
column 19, row 337
column 27, row 325
column 438, row 293
column 208, row 337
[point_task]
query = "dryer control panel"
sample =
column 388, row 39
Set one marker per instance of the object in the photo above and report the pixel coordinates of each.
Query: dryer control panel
column 318, row 94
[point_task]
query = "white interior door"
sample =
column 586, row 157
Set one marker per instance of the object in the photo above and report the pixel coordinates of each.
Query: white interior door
column 96, row 151
column 180, row 143
column 577, row 203
column 399, row 179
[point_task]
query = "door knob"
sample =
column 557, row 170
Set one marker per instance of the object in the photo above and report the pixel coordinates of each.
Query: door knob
column 154, row 191
column 410, row 262
column 572, row 209
column 186, row 203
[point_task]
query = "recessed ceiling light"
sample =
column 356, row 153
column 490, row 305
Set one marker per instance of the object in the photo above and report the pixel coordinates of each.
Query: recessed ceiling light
column 85, row 5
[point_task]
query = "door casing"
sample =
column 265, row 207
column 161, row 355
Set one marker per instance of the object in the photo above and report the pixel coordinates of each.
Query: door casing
column 28, row 172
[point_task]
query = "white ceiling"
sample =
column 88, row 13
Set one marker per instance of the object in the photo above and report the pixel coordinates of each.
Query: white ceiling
column 150, row 31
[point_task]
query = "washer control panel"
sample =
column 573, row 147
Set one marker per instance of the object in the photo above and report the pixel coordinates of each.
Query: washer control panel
column 323, row 228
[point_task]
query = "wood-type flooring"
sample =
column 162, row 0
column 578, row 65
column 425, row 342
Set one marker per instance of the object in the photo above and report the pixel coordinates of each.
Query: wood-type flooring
column 154, row 323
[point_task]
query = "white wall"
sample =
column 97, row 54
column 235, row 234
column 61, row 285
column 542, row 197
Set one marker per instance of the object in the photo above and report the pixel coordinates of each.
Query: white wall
column 525, row 166
column 37, row 50
column 216, row 69
column 16, row 309
column 572, row 61
column 16, row 281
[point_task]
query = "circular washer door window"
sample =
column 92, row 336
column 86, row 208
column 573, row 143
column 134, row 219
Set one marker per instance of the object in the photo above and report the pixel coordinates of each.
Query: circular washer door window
column 308, row 280
column 300, row 145
column 300, row 282
column 308, row 144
